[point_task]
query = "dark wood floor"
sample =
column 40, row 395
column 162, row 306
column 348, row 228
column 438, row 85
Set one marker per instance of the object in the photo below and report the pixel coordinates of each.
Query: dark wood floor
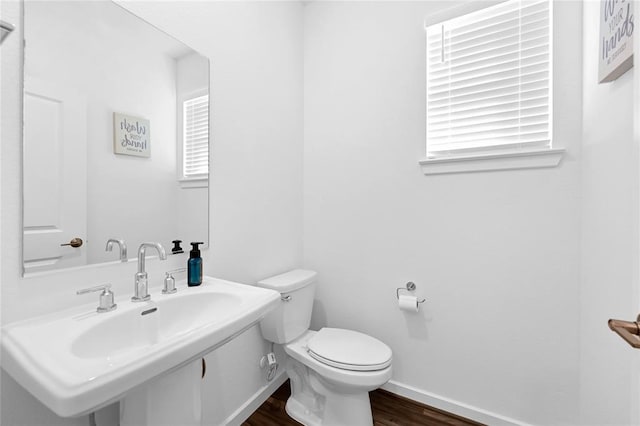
column 388, row 410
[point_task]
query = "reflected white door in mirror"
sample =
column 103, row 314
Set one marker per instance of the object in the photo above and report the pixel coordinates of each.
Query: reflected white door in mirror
column 55, row 176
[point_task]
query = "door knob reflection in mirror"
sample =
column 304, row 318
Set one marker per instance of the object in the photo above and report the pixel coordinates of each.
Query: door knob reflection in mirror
column 628, row 330
column 75, row 242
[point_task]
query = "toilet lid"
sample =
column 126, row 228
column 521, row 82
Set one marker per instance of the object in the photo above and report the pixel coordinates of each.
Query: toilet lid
column 349, row 350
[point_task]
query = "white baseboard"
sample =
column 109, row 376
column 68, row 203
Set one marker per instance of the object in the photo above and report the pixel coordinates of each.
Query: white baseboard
column 245, row 411
column 451, row 406
column 427, row 398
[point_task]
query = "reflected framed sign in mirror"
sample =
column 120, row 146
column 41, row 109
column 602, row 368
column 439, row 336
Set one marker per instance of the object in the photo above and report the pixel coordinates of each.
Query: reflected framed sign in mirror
column 111, row 135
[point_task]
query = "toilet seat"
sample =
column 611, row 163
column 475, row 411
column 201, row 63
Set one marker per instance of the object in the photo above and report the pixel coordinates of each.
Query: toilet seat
column 349, row 350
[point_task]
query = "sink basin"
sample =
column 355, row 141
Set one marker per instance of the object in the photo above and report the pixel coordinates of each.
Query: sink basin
column 78, row 360
column 116, row 336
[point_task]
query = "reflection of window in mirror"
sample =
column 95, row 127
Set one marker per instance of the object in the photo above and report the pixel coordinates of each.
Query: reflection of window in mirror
column 193, row 120
column 195, row 138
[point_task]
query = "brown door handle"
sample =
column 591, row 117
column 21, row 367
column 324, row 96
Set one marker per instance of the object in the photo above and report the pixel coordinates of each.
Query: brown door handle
column 628, row 330
column 75, row 242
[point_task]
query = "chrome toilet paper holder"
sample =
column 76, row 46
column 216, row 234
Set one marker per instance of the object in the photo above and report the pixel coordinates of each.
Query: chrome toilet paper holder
column 410, row 286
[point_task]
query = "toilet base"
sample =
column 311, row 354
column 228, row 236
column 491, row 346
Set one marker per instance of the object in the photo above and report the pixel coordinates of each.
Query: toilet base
column 348, row 409
column 339, row 410
column 315, row 401
column 298, row 412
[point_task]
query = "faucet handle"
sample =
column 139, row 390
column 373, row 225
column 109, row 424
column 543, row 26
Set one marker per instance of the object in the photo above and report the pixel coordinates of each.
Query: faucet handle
column 170, row 282
column 106, row 297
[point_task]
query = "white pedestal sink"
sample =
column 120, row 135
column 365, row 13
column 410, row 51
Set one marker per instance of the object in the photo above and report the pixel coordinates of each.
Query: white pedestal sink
column 76, row 361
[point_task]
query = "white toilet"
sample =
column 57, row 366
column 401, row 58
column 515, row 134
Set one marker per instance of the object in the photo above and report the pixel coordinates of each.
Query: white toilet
column 331, row 370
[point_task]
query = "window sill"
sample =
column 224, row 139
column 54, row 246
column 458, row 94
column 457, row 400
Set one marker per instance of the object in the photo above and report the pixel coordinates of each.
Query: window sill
column 194, row 183
column 541, row 158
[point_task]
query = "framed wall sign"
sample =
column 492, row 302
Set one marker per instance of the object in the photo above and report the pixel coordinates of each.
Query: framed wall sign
column 131, row 135
column 616, row 39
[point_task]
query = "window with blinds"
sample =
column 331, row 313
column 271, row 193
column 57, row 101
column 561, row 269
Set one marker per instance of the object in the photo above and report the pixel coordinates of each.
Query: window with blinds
column 489, row 80
column 195, row 159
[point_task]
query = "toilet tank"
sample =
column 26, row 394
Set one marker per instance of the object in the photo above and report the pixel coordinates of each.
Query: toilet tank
column 292, row 316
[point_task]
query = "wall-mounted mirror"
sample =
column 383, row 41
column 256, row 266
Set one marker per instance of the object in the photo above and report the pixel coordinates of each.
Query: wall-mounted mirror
column 116, row 135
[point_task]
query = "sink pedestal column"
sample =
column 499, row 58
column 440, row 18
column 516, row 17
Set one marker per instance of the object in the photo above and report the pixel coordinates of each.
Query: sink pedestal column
column 172, row 399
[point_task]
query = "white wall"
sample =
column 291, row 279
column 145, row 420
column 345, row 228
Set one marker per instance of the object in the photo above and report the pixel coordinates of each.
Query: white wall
column 256, row 194
column 496, row 254
column 608, row 381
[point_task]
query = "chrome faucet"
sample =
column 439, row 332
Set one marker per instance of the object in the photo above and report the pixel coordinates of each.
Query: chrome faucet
column 121, row 245
column 141, row 288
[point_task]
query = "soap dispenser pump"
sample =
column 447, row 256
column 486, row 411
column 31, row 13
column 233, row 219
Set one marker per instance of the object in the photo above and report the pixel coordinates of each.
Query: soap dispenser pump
column 194, row 266
column 176, row 247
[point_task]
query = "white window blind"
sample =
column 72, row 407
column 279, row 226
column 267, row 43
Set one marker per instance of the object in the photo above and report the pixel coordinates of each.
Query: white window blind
column 489, row 80
column 196, row 137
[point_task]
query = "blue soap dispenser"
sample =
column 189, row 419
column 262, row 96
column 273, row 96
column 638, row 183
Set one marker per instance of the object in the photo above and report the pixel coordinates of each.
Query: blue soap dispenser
column 194, row 266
